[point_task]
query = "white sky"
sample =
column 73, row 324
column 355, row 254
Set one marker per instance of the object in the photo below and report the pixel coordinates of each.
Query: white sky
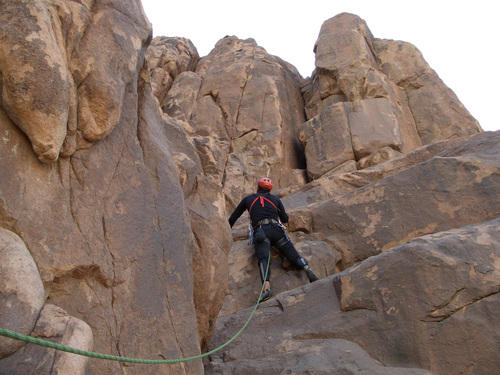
column 458, row 39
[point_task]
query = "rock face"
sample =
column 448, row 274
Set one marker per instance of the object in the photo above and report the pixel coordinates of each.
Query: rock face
column 66, row 69
column 427, row 304
column 249, row 106
column 108, row 227
column 122, row 158
column 22, row 289
column 167, row 58
column 380, row 92
column 67, row 330
column 341, row 220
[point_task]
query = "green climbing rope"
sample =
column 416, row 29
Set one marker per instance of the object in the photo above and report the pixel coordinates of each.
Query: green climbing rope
column 64, row 348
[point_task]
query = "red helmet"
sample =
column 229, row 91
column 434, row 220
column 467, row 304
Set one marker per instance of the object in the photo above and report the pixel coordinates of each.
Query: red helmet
column 266, row 183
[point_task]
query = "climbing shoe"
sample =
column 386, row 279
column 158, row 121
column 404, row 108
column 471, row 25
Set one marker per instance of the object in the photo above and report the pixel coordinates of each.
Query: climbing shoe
column 311, row 275
column 267, row 294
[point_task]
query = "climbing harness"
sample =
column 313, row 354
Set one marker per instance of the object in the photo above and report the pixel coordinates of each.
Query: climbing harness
column 257, row 234
column 268, row 221
column 52, row 345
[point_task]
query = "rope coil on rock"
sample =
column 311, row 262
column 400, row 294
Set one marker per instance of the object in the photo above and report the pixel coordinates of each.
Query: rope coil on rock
column 52, row 345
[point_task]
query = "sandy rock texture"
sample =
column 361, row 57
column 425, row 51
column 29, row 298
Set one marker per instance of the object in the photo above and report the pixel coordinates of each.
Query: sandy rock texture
column 424, row 307
column 122, row 157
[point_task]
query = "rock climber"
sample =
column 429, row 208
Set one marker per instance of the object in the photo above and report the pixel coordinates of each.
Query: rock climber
column 267, row 214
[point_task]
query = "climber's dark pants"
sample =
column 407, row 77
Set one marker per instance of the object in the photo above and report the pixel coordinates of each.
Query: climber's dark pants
column 276, row 237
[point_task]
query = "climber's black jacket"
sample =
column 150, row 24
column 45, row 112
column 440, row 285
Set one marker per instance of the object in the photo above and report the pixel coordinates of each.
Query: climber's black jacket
column 260, row 206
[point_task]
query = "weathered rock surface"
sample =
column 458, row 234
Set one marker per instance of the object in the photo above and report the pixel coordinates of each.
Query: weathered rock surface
column 327, row 140
column 239, row 110
column 108, row 227
column 428, row 304
column 442, row 311
column 385, row 98
column 152, row 148
column 22, row 306
column 346, row 177
column 258, row 104
column 38, row 92
column 22, row 293
column 167, row 58
column 56, row 325
column 320, row 357
column 338, row 221
column 437, row 112
column 448, row 191
column 111, row 238
column 66, row 69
